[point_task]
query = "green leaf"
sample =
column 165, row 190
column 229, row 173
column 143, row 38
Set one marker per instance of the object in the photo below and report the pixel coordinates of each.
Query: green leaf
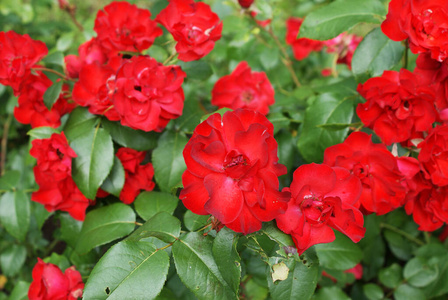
column 162, row 226
column 277, row 235
column 55, row 58
column 9, row 180
column 195, row 222
column 148, row 204
column 168, row 161
column 104, row 225
column 227, row 258
column 131, row 138
column 279, row 121
column 12, row 259
column 114, row 182
column 40, row 214
column 95, row 158
column 391, row 276
column 220, row 111
column 407, row 292
column 419, row 273
column 198, row 69
column 197, row 268
column 374, row 54
column 41, row 132
column 373, row 291
column 20, row 291
column 15, row 213
column 331, row 20
column 300, row 282
column 342, row 254
column 79, row 122
column 70, row 229
column 325, row 109
column 65, row 41
column 129, row 270
column 334, row 126
column 333, row 293
column 52, row 94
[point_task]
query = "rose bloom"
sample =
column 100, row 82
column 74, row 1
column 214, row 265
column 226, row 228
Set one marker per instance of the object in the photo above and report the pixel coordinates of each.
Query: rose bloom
column 57, row 190
column 232, row 171
column 245, row 3
column 122, row 26
column 424, row 23
column 96, row 87
column 148, row 94
column 375, row 166
column 193, row 25
column 32, row 110
column 89, row 52
column 137, row 176
column 433, row 156
column 262, row 23
column 302, row 47
column 398, row 107
column 322, row 198
column 49, row 283
column 344, row 45
column 18, row 54
column 244, row 89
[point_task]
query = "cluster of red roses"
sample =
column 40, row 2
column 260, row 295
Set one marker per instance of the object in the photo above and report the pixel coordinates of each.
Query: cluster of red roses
column 344, row 45
column 403, row 107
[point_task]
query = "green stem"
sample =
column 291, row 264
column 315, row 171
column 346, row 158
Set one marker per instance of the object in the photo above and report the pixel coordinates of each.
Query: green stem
column 54, row 72
column 402, row 233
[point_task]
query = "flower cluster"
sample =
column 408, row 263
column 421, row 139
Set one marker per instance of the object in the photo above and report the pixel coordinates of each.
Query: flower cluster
column 49, row 283
column 57, row 190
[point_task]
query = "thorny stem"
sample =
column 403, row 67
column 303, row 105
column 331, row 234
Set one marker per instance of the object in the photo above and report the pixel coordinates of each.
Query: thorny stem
column 402, row 233
column 54, row 72
column 4, row 143
column 285, row 59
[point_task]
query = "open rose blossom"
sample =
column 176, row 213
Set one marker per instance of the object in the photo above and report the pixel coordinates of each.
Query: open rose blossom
column 122, row 26
column 375, row 166
column 89, row 52
column 344, row 45
column 423, row 22
column 18, row 54
column 244, row 89
column 301, row 47
column 49, row 283
column 148, row 94
column 32, row 110
column 398, row 108
column 57, row 190
column 322, row 198
column 137, row 176
column 232, row 171
column 245, row 3
column 433, row 156
column 193, row 25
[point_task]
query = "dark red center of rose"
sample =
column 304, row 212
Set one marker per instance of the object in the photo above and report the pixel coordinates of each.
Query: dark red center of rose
column 360, row 171
column 235, row 161
column 138, row 88
column 236, row 165
column 247, row 96
column 60, row 154
column 315, row 210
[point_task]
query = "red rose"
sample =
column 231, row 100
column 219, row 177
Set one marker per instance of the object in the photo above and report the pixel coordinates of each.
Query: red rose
column 375, row 166
column 232, row 171
column 262, row 23
column 433, row 156
column 89, row 53
column 244, row 89
column 193, row 25
column 344, row 45
column 398, row 107
column 137, row 177
column 57, row 190
column 322, row 198
column 32, row 110
column 49, row 283
column 424, row 23
column 95, row 88
column 122, row 26
column 18, row 54
column 301, row 47
column 148, row 94
column 245, row 3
